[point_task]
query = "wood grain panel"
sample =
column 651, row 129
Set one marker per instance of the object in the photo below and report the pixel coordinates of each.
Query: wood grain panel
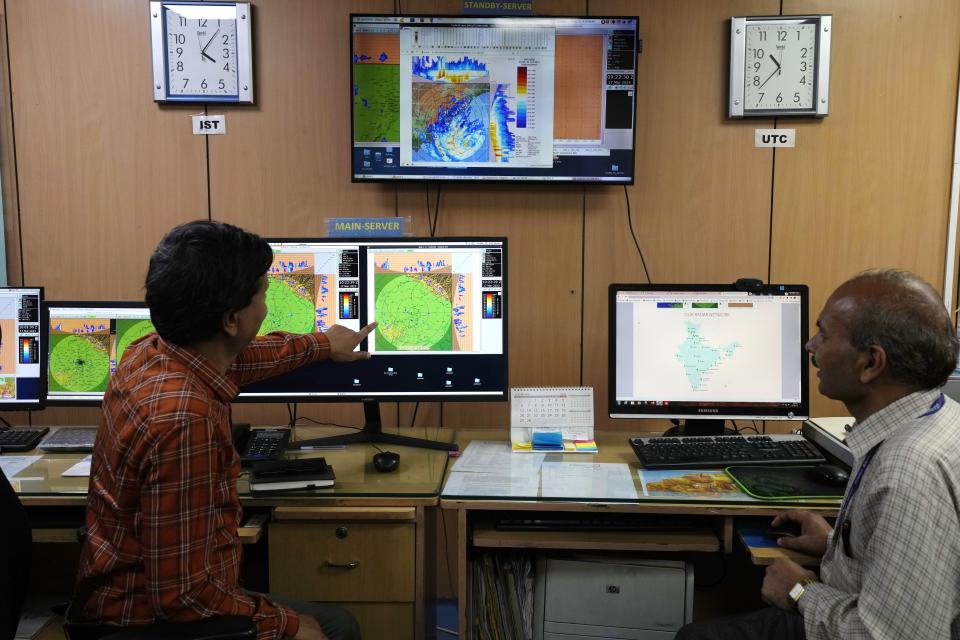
column 700, row 205
column 8, row 169
column 104, row 171
column 868, row 186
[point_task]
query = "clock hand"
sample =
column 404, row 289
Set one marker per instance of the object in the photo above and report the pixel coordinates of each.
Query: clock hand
column 203, row 51
column 207, row 56
column 768, row 78
column 775, row 61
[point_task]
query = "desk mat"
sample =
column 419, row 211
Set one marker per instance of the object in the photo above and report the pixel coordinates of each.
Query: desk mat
column 781, row 483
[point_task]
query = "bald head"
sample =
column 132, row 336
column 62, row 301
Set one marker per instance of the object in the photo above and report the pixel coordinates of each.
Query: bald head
column 901, row 313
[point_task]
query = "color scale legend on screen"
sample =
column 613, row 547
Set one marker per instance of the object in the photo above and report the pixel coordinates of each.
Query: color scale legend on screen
column 521, row 97
column 348, row 305
column 491, row 305
column 28, row 350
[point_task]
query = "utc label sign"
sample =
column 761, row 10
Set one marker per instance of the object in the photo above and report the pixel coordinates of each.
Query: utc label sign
column 775, row 138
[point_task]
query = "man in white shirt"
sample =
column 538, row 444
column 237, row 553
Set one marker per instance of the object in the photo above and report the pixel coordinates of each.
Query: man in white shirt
column 891, row 563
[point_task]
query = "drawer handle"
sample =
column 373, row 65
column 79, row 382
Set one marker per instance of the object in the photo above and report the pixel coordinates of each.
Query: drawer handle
column 342, row 565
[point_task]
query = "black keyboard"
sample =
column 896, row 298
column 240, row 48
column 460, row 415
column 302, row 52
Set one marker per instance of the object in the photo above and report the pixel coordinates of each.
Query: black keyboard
column 696, row 452
column 21, row 439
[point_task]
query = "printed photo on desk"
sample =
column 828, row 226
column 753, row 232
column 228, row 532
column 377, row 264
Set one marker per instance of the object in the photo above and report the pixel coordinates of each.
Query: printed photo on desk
column 690, row 484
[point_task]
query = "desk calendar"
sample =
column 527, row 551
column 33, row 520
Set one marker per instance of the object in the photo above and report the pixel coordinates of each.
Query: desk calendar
column 552, row 419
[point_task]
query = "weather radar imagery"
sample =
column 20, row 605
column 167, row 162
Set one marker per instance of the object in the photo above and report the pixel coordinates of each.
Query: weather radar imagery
column 292, row 294
column 376, row 88
column 85, row 351
column 420, row 303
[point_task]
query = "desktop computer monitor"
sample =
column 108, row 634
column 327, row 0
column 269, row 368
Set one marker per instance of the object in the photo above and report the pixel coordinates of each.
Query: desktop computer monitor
column 706, row 353
column 86, row 343
column 440, row 305
column 22, row 348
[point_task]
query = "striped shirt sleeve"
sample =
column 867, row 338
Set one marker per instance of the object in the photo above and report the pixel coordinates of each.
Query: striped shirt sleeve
column 277, row 353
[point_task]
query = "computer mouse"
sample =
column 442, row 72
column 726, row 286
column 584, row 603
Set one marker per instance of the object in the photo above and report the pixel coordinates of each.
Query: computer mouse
column 829, row 474
column 386, row 461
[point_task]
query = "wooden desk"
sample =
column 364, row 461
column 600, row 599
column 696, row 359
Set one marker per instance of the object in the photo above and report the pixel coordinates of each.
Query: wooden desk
column 707, row 523
column 363, row 543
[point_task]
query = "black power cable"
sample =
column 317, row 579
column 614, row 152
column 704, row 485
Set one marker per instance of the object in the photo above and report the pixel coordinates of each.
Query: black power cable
column 643, row 261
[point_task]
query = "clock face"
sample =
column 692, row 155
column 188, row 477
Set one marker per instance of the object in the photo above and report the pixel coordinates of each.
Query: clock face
column 201, row 50
column 779, row 66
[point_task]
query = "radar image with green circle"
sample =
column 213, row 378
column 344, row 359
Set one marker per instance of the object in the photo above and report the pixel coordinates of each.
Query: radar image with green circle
column 79, row 362
column 414, row 311
column 290, row 303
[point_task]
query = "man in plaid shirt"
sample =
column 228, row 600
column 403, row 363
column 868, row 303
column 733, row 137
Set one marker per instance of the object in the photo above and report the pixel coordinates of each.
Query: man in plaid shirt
column 162, row 511
column 891, row 563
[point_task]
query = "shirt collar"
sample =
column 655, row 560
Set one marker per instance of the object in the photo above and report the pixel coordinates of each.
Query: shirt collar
column 220, row 383
column 876, row 428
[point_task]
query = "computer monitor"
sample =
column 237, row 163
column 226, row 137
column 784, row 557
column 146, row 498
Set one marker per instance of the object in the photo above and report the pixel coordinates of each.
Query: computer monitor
column 518, row 98
column 86, row 343
column 22, row 348
column 706, row 353
column 441, row 308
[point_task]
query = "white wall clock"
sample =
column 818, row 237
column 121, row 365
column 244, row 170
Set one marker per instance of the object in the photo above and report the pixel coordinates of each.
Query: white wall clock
column 779, row 65
column 202, row 52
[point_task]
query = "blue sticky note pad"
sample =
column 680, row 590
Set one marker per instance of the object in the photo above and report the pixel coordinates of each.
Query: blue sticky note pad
column 549, row 440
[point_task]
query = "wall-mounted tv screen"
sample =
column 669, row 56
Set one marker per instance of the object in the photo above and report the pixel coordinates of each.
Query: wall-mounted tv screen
column 493, row 98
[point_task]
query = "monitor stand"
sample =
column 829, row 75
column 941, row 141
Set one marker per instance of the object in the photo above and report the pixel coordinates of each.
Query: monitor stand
column 700, row 427
column 372, row 432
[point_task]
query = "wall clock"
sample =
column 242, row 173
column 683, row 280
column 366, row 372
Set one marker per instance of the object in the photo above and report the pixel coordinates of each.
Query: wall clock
column 202, row 52
column 779, row 66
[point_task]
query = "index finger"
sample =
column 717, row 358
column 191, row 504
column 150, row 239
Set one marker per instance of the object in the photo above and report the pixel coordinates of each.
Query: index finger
column 364, row 332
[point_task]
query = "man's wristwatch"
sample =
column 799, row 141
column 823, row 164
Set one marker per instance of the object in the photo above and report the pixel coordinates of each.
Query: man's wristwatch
column 798, row 590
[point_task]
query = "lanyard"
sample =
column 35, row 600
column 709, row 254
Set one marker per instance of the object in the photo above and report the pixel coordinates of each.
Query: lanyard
column 841, row 519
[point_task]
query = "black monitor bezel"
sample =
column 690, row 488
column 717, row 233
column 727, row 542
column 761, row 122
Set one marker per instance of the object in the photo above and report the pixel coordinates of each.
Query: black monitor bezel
column 40, row 402
column 91, row 304
column 732, row 411
column 505, row 179
column 387, row 397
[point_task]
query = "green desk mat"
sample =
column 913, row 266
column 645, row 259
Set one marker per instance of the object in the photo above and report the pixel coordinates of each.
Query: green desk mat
column 781, row 483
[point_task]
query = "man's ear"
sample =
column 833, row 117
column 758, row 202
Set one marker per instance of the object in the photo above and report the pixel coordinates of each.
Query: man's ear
column 873, row 363
column 231, row 323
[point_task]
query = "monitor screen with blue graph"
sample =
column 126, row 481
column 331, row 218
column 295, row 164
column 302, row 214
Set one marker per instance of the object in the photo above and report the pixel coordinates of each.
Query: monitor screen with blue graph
column 87, row 341
column 493, row 98
column 22, row 345
column 440, row 305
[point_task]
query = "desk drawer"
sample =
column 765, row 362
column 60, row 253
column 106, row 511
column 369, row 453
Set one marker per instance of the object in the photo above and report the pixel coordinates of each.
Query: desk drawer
column 348, row 562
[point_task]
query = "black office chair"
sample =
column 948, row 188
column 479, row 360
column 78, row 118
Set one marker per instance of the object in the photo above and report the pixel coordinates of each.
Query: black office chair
column 16, row 542
column 215, row 628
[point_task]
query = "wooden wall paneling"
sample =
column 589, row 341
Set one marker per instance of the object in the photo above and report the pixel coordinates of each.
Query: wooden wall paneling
column 868, row 186
column 8, row 173
column 283, row 166
column 701, row 203
column 104, row 171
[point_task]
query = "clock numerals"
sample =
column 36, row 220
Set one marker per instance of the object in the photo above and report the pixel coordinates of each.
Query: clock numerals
column 777, row 60
column 201, row 51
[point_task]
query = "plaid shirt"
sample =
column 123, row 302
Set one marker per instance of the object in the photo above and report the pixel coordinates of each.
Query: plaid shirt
column 162, row 510
column 895, row 572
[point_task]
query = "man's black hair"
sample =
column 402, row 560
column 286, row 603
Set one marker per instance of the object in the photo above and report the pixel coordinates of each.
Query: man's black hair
column 200, row 271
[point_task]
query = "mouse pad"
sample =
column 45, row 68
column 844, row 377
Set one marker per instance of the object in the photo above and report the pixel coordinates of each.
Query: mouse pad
column 781, row 483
